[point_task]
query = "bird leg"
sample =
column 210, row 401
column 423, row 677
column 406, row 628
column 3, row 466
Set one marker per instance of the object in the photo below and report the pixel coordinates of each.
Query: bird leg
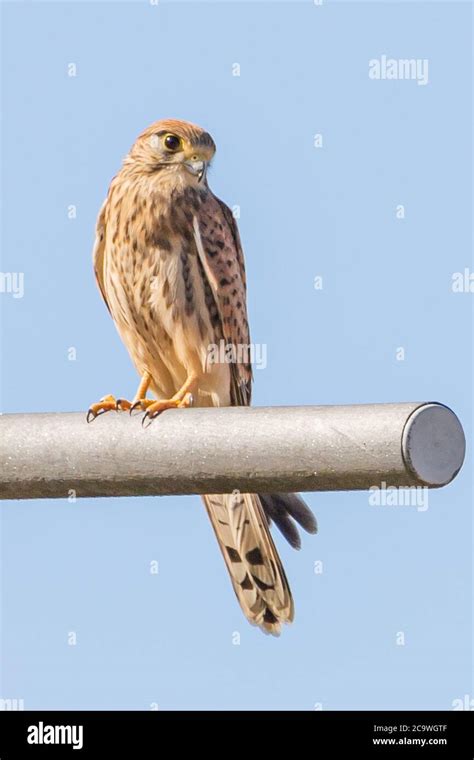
column 182, row 399
column 109, row 403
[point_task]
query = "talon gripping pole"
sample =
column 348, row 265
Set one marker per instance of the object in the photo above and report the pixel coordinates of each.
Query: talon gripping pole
column 278, row 449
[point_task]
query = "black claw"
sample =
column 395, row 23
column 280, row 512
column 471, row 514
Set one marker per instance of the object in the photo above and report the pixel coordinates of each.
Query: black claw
column 134, row 407
column 89, row 418
column 96, row 414
column 150, row 417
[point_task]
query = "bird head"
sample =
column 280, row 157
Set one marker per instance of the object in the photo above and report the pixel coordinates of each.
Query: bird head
column 176, row 146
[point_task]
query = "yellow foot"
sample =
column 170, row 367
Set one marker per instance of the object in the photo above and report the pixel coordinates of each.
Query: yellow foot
column 107, row 404
column 141, row 403
column 154, row 408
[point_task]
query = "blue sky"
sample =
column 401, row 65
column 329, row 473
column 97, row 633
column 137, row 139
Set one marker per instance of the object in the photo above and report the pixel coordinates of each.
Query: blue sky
column 305, row 212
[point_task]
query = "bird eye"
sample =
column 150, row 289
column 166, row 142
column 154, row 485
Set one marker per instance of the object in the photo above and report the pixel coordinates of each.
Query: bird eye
column 172, row 142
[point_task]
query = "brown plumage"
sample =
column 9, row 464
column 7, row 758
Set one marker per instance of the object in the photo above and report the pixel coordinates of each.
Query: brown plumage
column 170, row 267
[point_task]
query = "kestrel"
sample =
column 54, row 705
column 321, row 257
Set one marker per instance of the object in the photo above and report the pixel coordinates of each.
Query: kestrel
column 169, row 264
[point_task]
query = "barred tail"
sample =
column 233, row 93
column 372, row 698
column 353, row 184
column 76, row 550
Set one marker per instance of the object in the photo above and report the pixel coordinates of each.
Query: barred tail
column 257, row 575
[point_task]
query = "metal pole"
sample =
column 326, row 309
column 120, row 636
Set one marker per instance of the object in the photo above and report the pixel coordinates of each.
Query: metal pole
column 313, row 448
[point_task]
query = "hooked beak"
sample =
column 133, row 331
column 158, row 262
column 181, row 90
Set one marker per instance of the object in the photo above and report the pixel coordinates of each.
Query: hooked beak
column 198, row 168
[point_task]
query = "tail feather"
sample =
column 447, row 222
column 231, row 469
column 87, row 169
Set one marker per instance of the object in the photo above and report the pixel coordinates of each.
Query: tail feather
column 284, row 509
column 255, row 568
